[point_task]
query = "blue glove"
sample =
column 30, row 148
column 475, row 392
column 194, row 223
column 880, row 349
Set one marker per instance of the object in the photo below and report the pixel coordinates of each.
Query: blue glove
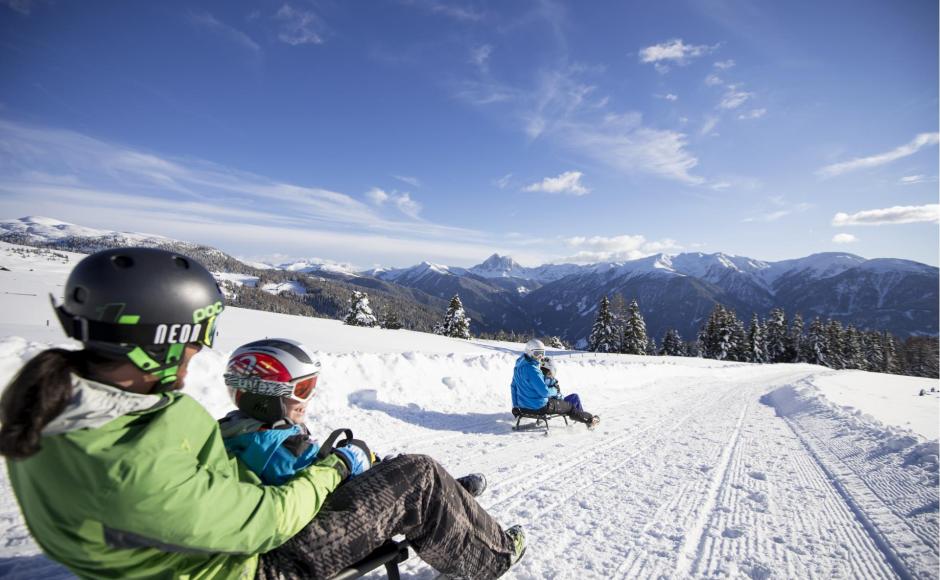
column 356, row 456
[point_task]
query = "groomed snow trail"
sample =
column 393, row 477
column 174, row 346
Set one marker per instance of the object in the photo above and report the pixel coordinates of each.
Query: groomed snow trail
column 685, row 479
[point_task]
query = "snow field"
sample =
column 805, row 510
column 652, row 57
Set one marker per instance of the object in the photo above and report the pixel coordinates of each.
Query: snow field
column 699, row 468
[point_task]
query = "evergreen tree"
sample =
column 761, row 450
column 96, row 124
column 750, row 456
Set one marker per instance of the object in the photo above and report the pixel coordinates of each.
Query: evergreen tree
column 835, row 345
column 604, row 335
column 456, row 323
column 738, row 350
column 672, row 344
column 390, row 319
column 635, row 340
column 889, row 346
column 795, row 345
column 816, row 344
column 873, row 353
column 359, row 312
column 852, row 345
column 776, row 336
column 556, row 342
column 618, row 313
column 756, row 349
column 651, row 347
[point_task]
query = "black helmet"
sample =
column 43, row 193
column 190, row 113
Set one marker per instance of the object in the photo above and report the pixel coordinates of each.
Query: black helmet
column 142, row 303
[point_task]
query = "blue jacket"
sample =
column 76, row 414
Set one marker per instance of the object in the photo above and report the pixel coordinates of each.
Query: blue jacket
column 274, row 454
column 529, row 390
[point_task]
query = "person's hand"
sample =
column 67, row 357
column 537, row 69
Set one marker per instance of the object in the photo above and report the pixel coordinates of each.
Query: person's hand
column 356, row 455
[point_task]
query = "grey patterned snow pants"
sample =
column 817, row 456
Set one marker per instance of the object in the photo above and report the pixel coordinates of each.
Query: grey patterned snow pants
column 411, row 495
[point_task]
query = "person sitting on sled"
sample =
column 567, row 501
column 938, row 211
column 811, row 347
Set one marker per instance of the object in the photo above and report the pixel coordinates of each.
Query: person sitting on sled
column 530, row 390
column 272, row 381
column 550, row 372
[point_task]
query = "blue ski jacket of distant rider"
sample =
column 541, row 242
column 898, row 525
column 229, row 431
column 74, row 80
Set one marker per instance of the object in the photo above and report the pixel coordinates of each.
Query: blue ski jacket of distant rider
column 274, row 453
column 529, row 390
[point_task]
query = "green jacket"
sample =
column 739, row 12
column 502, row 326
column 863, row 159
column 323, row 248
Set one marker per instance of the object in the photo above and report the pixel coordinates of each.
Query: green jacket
column 140, row 486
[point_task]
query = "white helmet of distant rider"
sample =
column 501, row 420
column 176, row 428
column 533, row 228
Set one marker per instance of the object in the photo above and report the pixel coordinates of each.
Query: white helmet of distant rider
column 535, row 348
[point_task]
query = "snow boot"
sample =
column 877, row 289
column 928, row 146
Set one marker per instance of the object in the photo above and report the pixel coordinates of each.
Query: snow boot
column 594, row 421
column 474, row 483
column 517, row 536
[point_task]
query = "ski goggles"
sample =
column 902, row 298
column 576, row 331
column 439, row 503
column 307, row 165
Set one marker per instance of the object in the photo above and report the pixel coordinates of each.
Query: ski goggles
column 538, row 354
column 300, row 389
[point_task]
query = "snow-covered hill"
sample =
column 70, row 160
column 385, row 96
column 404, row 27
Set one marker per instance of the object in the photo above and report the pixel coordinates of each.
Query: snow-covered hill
column 699, row 468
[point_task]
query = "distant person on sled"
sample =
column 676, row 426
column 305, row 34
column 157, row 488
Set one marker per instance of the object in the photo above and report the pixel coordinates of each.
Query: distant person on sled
column 120, row 475
column 531, row 391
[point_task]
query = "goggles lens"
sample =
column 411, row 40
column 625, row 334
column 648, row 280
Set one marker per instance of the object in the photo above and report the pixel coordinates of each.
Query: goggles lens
column 304, row 388
column 538, row 354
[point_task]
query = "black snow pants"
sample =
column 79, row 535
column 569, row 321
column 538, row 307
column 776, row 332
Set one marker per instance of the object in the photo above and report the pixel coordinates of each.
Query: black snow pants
column 408, row 494
column 563, row 407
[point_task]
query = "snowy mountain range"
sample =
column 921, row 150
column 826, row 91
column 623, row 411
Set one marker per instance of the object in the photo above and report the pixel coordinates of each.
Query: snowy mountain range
column 674, row 291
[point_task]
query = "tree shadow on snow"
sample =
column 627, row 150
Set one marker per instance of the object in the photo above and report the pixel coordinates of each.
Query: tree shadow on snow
column 480, row 423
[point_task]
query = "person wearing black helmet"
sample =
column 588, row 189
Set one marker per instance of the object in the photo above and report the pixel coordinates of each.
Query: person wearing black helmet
column 118, row 474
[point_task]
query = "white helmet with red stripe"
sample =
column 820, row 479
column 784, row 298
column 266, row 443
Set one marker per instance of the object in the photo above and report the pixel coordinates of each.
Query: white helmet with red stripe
column 259, row 374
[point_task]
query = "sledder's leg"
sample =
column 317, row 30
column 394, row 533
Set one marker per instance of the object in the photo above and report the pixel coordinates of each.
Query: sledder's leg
column 411, row 495
column 565, row 408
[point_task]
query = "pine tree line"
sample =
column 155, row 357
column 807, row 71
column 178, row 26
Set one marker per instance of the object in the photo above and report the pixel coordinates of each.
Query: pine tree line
column 724, row 336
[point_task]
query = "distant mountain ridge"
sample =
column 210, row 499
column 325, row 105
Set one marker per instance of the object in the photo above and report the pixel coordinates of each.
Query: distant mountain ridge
column 674, row 291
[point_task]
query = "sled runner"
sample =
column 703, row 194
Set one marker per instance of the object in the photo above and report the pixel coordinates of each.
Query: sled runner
column 390, row 554
column 541, row 418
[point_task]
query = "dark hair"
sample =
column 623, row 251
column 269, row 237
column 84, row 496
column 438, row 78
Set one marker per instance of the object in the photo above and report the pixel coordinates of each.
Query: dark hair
column 36, row 396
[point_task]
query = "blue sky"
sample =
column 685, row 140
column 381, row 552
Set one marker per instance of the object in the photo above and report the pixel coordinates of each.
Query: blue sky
column 391, row 132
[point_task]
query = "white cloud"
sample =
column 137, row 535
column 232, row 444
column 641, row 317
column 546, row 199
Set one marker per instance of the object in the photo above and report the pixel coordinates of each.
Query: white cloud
column 673, row 51
column 229, row 33
column 734, row 98
column 377, row 196
column 668, row 97
column 724, row 64
column 844, row 239
column 454, row 10
column 412, row 181
column 299, row 26
column 929, row 213
column 708, row 126
column 503, row 182
column 752, row 114
column 480, row 57
column 919, row 142
column 567, row 182
column 406, row 205
column 713, row 80
column 616, row 248
column 912, row 179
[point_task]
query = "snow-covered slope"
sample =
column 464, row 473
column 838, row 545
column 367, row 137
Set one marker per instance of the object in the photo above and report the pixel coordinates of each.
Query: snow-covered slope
column 698, row 469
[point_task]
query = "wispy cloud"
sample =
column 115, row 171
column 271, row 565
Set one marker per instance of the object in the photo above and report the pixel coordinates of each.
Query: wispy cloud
column 615, row 248
column 724, row 64
column 22, row 6
column 299, row 26
column 714, row 80
column 910, row 214
column 780, row 213
column 227, row 32
column 844, row 239
column 734, row 98
column 919, row 142
column 452, row 9
column 668, row 97
column 567, row 182
column 412, row 181
column 912, row 179
column 752, row 114
column 673, row 51
column 708, row 127
column 504, row 181
column 402, row 201
column 480, row 57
